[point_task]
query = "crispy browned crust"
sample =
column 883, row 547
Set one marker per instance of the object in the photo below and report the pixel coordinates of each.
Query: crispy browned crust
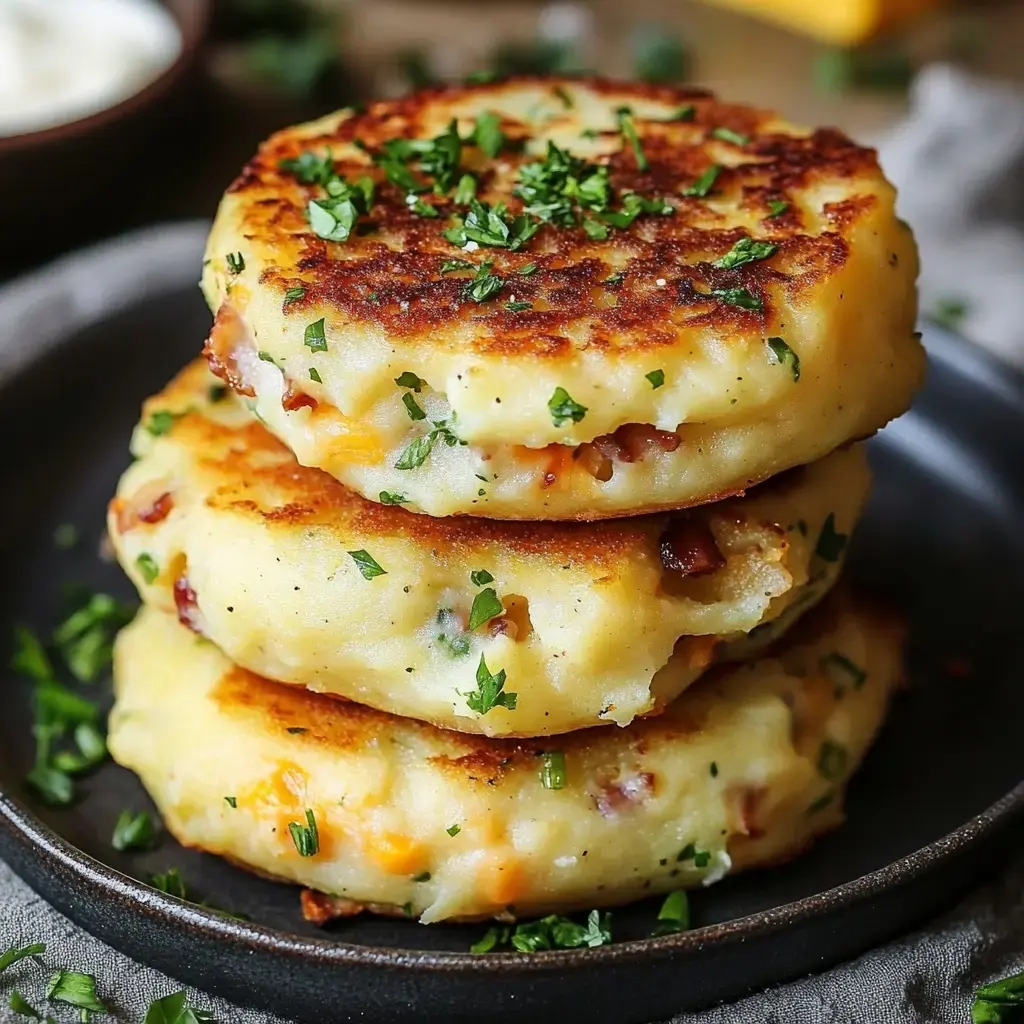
column 392, row 277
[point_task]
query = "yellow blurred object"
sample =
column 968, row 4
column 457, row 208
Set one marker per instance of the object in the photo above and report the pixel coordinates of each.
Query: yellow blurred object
column 841, row 22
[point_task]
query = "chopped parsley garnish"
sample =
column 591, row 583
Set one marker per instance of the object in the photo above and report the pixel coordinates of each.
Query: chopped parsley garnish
column 480, row 577
column 526, row 271
column 408, row 379
column 422, row 208
column 305, row 837
column 134, row 831
column 315, row 338
column 391, row 498
column 437, row 158
column 702, row 186
column 714, row 769
column 309, row 168
column 294, row 294
column 518, row 307
column 367, row 564
column 170, row 882
column 552, row 769
column 728, row 135
column 148, row 569
column 841, row 670
column 784, row 354
column 236, row 262
column 614, row 279
column 14, row 954
column 465, row 190
column 487, row 134
column 830, row 543
column 674, row 915
column 595, row 229
column 776, row 208
column 174, row 1009
column 687, row 113
column 161, row 422
column 314, row 375
column 454, row 264
column 231, row 801
column 30, row 657
column 563, row 408
column 217, row 393
column 656, row 377
column 999, row 1002
column 746, row 250
column 266, row 357
column 552, row 932
column 552, row 188
column 700, row 858
column 492, row 226
column 65, row 537
column 453, row 830
column 484, row 285
column 490, row 691
column 333, row 219
column 412, row 407
column 492, row 938
column 416, row 452
column 629, row 134
column 486, row 605
column 740, row 297
column 23, row 1008
column 86, row 637
column 423, row 876
column 832, row 761
column 76, row 990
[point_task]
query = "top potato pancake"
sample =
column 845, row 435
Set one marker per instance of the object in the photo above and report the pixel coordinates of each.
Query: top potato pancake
column 698, row 268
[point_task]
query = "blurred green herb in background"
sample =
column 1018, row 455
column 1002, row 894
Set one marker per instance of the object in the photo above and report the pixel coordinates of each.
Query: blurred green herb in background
column 883, row 67
column 950, row 313
column 288, row 44
column 659, row 54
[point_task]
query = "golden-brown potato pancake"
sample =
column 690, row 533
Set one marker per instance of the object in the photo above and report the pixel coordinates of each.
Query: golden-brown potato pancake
column 731, row 296
column 743, row 770
column 300, row 579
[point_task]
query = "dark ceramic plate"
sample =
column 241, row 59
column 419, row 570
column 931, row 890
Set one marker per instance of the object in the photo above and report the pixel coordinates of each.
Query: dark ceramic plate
column 934, row 805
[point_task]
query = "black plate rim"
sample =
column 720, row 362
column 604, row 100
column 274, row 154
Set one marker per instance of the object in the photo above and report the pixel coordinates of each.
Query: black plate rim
column 105, row 882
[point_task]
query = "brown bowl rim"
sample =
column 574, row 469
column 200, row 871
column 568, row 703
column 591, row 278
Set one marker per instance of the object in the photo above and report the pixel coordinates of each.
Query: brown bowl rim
column 193, row 32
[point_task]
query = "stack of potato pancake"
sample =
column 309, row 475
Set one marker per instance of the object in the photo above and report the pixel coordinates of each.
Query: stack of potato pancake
column 489, row 558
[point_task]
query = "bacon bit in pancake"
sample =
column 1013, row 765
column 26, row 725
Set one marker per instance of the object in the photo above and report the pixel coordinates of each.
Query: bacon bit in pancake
column 294, row 399
column 188, row 608
column 318, row 908
column 597, row 465
column 688, row 546
column 141, row 509
column 515, row 623
column 228, row 337
column 618, row 795
column 156, row 510
column 635, row 441
column 559, row 460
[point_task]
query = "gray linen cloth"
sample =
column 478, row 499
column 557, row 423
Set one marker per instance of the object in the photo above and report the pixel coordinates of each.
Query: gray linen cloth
column 925, row 978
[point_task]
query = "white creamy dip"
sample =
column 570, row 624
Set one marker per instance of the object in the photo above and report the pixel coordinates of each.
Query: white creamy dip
column 64, row 59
